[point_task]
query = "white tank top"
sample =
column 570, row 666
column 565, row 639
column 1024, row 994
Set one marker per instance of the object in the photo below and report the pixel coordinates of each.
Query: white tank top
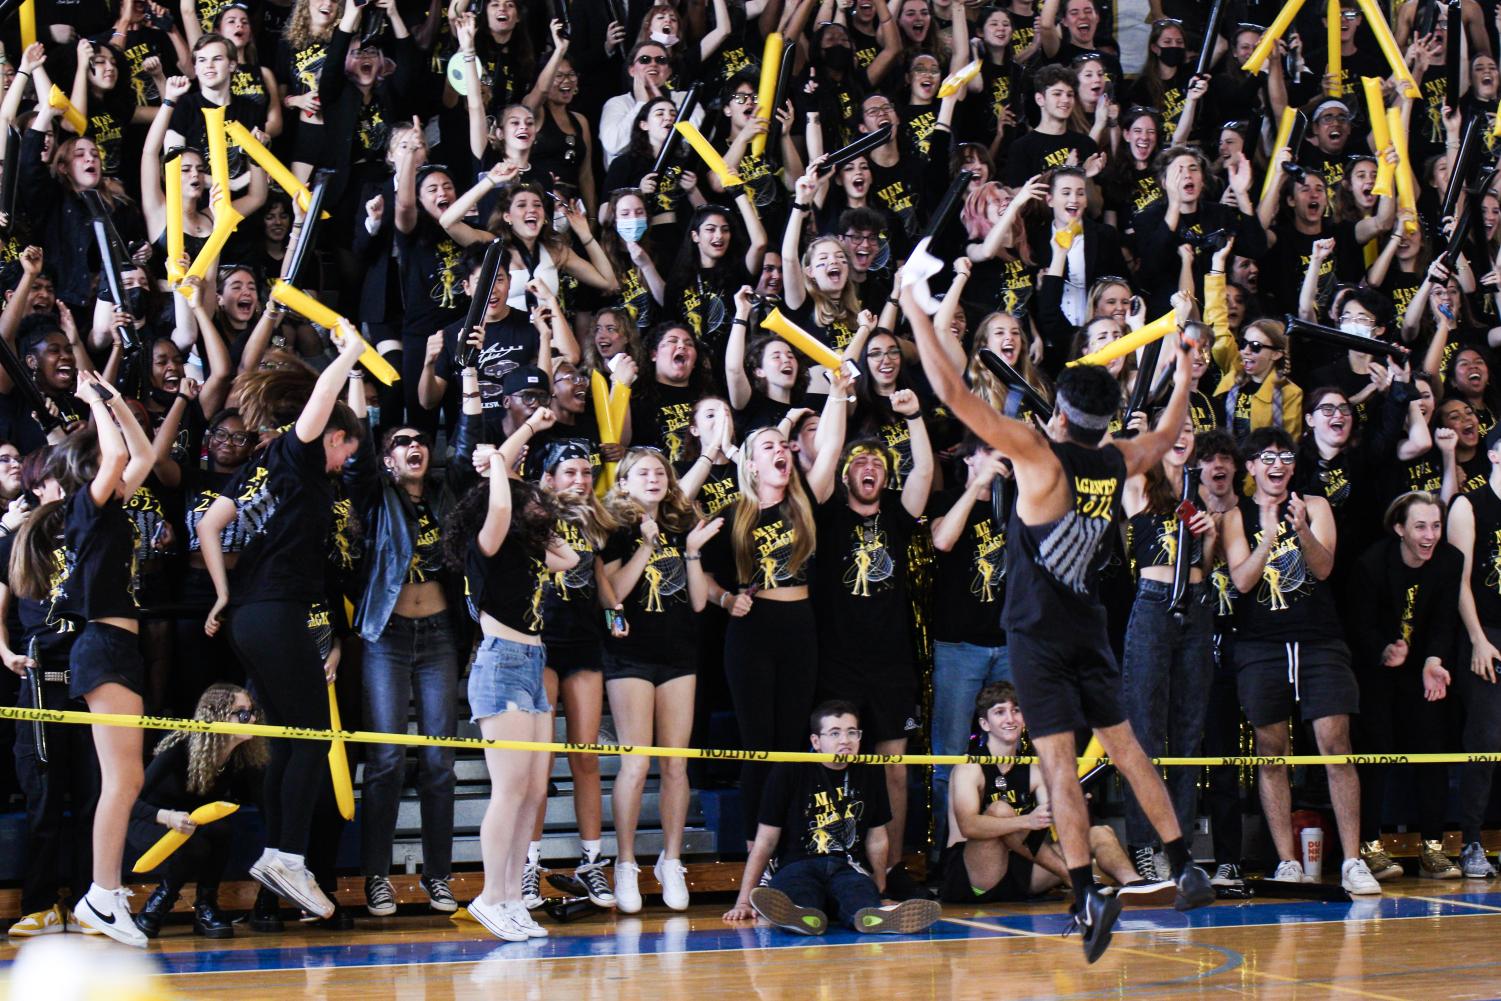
column 547, row 270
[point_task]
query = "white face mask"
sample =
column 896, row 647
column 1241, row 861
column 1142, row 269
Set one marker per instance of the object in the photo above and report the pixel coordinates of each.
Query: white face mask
column 1358, row 329
column 560, row 223
column 662, row 38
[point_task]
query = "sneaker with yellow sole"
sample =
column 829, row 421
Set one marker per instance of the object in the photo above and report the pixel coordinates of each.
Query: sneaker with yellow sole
column 1434, row 864
column 1382, row 865
column 76, row 925
column 48, row 922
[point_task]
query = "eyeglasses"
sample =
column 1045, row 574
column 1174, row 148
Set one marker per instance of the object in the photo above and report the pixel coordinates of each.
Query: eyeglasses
column 1286, row 458
column 246, row 715
column 837, row 734
column 237, row 438
column 408, row 440
column 890, row 353
column 861, row 239
column 1330, row 409
column 532, row 397
column 879, row 106
column 648, row 60
column 1255, row 347
column 569, row 378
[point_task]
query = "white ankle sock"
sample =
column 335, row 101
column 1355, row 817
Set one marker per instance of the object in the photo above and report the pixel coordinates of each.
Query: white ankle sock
column 590, row 849
column 534, row 853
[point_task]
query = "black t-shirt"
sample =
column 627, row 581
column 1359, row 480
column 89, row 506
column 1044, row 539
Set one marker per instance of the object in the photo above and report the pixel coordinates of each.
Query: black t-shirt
column 664, row 628
column 772, row 544
column 721, row 487
column 510, row 341
column 286, row 500
column 899, row 190
column 52, row 622
column 1288, row 603
column 506, row 586
column 99, row 558
column 431, row 285
column 970, row 582
column 570, row 598
column 109, row 116
column 427, row 545
column 1038, row 151
column 823, row 812
column 860, row 590
column 660, row 418
column 188, row 122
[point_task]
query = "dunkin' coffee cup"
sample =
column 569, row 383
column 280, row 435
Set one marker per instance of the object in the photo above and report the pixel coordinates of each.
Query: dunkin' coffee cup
column 1312, row 839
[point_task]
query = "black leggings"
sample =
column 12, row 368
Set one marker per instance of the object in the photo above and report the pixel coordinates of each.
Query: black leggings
column 771, row 664
column 286, row 672
column 1395, row 718
column 1482, row 733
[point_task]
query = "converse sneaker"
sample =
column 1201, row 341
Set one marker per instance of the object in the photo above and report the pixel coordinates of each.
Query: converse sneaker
column 380, row 898
column 1145, row 861
column 1227, row 874
column 439, row 896
column 290, row 878
column 670, row 873
column 524, row 920
column 498, row 920
column 48, row 922
column 108, row 912
column 596, row 883
column 1355, row 876
column 1475, row 864
column 531, row 885
column 627, row 888
column 1383, row 867
column 1434, row 864
column 1289, row 871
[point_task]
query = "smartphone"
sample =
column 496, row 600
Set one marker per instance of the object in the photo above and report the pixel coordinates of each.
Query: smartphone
column 614, row 620
column 1186, row 511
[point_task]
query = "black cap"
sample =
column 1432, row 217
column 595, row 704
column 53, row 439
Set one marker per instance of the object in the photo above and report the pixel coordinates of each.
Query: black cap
column 524, row 377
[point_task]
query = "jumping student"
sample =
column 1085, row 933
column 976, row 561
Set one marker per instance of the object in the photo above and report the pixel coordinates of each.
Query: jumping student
column 287, row 495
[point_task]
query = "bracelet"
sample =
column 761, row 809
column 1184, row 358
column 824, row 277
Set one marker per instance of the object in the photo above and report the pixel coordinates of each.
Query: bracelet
column 590, row 242
column 167, row 102
column 469, row 396
column 737, row 321
column 25, row 73
column 355, row 373
column 892, row 300
column 723, row 596
column 800, row 207
column 842, row 399
column 693, row 557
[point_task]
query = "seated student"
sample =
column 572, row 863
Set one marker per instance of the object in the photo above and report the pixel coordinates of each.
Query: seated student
column 824, row 826
column 999, row 848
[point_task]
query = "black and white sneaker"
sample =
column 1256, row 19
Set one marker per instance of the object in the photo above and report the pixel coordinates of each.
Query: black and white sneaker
column 1227, row 874
column 531, row 885
column 1146, row 893
column 1194, row 889
column 1095, row 921
column 596, row 884
column 1144, row 859
column 380, row 897
column 439, row 896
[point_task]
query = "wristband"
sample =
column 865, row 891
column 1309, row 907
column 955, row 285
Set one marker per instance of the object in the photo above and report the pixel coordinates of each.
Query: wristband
column 723, row 596
column 800, row 207
column 693, row 557
column 167, row 102
column 738, row 321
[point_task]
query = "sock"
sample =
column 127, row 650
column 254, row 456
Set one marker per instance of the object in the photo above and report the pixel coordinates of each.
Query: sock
column 1082, row 878
column 534, row 853
column 267, row 854
column 100, row 897
column 590, row 850
column 1177, row 856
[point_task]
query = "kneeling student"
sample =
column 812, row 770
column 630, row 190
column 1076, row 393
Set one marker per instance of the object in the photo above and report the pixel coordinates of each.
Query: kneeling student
column 823, row 824
column 999, row 848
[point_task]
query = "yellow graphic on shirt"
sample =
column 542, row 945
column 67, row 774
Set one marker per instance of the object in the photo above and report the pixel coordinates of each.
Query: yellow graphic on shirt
column 1493, row 578
column 1095, row 497
column 1409, row 605
column 582, row 575
column 773, row 547
column 665, row 576
column 444, row 291
column 833, row 822
column 989, row 563
column 1285, row 575
column 1224, row 592
column 870, row 560
column 1167, row 541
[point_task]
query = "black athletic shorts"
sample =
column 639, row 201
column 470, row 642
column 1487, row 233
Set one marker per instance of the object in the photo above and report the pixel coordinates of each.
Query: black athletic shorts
column 1277, row 680
column 566, row 657
column 1066, row 682
column 957, row 888
column 103, row 654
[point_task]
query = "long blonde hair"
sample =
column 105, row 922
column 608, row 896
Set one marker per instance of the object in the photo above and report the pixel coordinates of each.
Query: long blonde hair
column 795, row 507
column 675, row 513
column 206, row 758
column 829, row 309
column 987, row 386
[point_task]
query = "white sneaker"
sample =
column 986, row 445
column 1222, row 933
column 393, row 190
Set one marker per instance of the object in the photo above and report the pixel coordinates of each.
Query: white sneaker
column 670, row 873
column 524, row 920
column 1355, row 876
column 627, row 888
column 293, row 880
column 48, row 922
column 1289, row 871
column 108, row 912
column 497, row 920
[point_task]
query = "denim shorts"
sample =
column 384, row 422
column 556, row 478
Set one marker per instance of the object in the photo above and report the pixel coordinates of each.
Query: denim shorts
column 507, row 677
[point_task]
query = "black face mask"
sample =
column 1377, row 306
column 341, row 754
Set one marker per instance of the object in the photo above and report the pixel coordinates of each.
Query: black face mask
column 135, row 302
column 1173, row 56
column 840, row 57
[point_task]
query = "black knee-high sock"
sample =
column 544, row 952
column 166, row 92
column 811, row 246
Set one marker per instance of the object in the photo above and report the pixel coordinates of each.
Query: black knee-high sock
column 1082, row 879
column 1178, row 858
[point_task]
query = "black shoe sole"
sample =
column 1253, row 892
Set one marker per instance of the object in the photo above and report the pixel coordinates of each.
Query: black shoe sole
column 215, row 933
column 907, row 918
column 1097, row 937
column 778, row 909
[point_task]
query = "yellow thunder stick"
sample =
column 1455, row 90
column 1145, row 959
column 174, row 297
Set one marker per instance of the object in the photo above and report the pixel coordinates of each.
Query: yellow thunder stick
column 175, row 249
column 1375, row 102
column 338, row 761
column 218, row 149
column 620, row 402
column 1335, row 67
column 955, row 81
column 225, row 221
column 28, row 24
column 1269, row 38
column 1156, row 330
column 1284, row 133
column 766, row 92
column 268, row 162
column 1407, row 198
column 57, row 99
column 300, row 302
column 173, row 840
column 802, row 340
column 710, row 156
column 1376, row 21
column 604, row 417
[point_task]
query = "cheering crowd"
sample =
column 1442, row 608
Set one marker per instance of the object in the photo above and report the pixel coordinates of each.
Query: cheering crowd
column 537, row 404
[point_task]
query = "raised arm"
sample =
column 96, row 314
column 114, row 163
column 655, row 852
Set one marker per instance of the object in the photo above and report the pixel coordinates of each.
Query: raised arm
column 538, row 94
column 736, row 382
column 794, row 286
column 320, row 405
column 829, row 441
column 920, row 480
column 498, row 512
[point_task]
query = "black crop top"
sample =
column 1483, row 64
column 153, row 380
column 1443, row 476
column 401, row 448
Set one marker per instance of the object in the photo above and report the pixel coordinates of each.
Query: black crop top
column 1154, row 541
column 507, row 586
column 101, row 557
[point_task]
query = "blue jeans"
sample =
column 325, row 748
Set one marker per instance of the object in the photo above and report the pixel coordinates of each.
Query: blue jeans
column 960, row 670
column 829, row 884
column 412, row 657
column 1166, row 677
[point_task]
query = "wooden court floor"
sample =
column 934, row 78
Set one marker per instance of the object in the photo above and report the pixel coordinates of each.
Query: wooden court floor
column 1423, row 940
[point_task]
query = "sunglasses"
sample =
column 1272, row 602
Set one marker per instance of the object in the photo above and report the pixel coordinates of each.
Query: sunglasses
column 1269, row 458
column 246, row 715
column 1255, row 347
column 408, row 440
column 648, row 60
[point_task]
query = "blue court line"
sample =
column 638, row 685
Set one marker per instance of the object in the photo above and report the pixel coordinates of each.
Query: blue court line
column 689, row 939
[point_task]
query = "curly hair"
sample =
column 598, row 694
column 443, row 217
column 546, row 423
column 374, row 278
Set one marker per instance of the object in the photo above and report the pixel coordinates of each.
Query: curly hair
column 675, row 513
column 210, row 754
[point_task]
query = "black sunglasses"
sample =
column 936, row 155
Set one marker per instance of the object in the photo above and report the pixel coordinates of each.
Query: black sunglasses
column 246, row 715
column 644, row 60
column 408, row 440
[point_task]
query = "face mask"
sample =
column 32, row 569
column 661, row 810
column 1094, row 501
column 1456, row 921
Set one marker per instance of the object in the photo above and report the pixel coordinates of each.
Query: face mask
column 135, row 302
column 838, row 58
column 662, row 38
column 1358, row 329
column 1172, row 56
column 631, row 230
column 560, row 223
column 373, row 412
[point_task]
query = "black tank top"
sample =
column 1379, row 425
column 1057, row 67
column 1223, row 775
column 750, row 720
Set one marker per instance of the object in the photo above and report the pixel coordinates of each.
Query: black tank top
column 1288, row 604
column 1014, row 788
column 557, row 151
column 1154, row 541
column 1052, row 570
column 1485, row 567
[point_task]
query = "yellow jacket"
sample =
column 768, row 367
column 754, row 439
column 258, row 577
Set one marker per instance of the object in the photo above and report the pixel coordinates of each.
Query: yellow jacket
column 1227, row 356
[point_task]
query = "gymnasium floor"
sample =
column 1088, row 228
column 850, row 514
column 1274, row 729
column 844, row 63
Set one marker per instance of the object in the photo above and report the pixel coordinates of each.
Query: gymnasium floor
column 1422, row 940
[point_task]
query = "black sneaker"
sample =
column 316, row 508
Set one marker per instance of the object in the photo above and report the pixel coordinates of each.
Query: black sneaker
column 1227, row 874
column 439, row 896
column 265, row 916
column 1095, row 921
column 778, row 909
column 1144, row 859
column 380, row 897
column 901, row 886
column 591, row 875
column 1147, row 893
column 1194, row 889
column 906, row 918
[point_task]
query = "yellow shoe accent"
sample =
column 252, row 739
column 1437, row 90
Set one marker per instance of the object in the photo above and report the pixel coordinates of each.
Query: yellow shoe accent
column 462, row 916
column 48, row 922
